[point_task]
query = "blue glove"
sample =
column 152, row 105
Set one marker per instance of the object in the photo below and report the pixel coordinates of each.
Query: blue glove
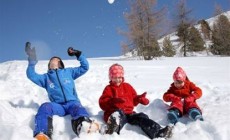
column 30, row 52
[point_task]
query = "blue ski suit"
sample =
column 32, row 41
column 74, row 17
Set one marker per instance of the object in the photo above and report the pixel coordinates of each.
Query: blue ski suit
column 59, row 84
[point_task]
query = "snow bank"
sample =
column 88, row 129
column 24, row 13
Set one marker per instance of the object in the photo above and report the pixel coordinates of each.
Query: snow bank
column 20, row 98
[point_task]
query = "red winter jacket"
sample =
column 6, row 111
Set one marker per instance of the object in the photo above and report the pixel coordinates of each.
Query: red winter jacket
column 184, row 98
column 124, row 92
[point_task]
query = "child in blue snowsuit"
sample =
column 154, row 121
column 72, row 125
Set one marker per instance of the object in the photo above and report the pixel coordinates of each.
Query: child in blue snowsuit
column 59, row 84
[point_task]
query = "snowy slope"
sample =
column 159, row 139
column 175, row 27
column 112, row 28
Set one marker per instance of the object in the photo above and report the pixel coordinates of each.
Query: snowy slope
column 211, row 20
column 20, row 98
column 174, row 38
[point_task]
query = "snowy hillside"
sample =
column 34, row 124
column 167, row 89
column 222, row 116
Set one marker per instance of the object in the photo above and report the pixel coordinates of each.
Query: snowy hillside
column 20, row 98
column 174, row 38
column 211, row 21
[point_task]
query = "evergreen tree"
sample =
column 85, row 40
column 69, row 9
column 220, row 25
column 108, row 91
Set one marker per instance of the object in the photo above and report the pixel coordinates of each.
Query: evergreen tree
column 196, row 43
column 221, row 36
column 183, row 24
column 205, row 29
column 149, row 52
column 168, row 49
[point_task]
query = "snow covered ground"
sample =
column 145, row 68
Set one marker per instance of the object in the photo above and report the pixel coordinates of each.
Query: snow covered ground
column 20, row 98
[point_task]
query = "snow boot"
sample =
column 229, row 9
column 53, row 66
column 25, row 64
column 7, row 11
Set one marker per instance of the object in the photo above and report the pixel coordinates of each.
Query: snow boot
column 195, row 114
column 77, row 124
column 165, row 132
column 115, row 122
column 90, row 127
column 173, row 116
column 42, row 136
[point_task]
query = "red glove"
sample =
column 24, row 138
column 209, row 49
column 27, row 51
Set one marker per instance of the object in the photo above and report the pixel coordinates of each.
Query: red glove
column 182, row 93
column 190, row 99
column 117, row 100
column 142, row 99
column 175, row 98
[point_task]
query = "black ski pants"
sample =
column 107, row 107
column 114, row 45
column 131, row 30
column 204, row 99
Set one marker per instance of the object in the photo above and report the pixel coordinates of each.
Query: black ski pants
column 150, row 127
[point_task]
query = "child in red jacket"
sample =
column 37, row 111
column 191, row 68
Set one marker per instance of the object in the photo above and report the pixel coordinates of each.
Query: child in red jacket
column 183, row 95
column 118, row 101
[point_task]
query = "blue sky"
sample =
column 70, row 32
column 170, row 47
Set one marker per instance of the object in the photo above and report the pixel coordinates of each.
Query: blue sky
column 88, row 25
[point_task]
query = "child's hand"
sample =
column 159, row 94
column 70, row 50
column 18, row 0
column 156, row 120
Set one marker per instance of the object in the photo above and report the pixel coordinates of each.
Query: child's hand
column 175, row 98
column 182, row 93
column 190, row 99
column 142, row 99
column 31, row 52
column 117, row 100
column 73, row 52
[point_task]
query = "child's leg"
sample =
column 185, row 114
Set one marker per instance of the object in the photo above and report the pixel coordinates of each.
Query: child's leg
column 195, row 114
column 150, row 127
column 43, row 119
column 175, row 111
column 136, row 118
column 173, row 116
column 193, row 110
column 76, row 110
column 78, row 114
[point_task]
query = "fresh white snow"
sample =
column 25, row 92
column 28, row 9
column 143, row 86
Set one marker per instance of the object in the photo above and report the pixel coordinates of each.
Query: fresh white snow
column 20, row 98
column 111, row 1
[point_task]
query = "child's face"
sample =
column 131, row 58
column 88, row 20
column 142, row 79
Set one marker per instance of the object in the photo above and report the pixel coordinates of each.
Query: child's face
column 117, row 80
column 54, row 63
column 178, row 84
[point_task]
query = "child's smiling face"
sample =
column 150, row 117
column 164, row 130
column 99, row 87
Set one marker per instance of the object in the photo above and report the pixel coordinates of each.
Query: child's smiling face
column 178, row 84
column 117, row 80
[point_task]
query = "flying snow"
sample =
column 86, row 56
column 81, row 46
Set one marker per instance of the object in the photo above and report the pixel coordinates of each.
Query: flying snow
column 111, row 1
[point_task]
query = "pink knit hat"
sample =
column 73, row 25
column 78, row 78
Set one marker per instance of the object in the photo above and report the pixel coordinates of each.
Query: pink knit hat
column 179, row 74
column 116, row 70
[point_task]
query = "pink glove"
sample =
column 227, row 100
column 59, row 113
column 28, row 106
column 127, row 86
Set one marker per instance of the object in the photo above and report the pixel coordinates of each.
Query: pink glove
column 142, row 99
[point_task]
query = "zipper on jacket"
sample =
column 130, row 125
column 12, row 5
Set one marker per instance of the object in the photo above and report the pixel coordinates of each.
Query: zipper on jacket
column 60, row 85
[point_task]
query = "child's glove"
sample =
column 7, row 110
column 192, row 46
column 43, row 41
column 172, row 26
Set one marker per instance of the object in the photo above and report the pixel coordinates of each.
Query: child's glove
column 72, row 52
column 30, row 52
column 191, row 98
column 182, row 93
column 142, row 99
column 117, row 100
column 174, row 98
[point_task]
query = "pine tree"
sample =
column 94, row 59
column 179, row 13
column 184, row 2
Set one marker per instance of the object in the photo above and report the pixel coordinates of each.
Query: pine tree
column 196, row 43
column 168, row 49
column 221, row 36
column 205, row 29
column 183, row 24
